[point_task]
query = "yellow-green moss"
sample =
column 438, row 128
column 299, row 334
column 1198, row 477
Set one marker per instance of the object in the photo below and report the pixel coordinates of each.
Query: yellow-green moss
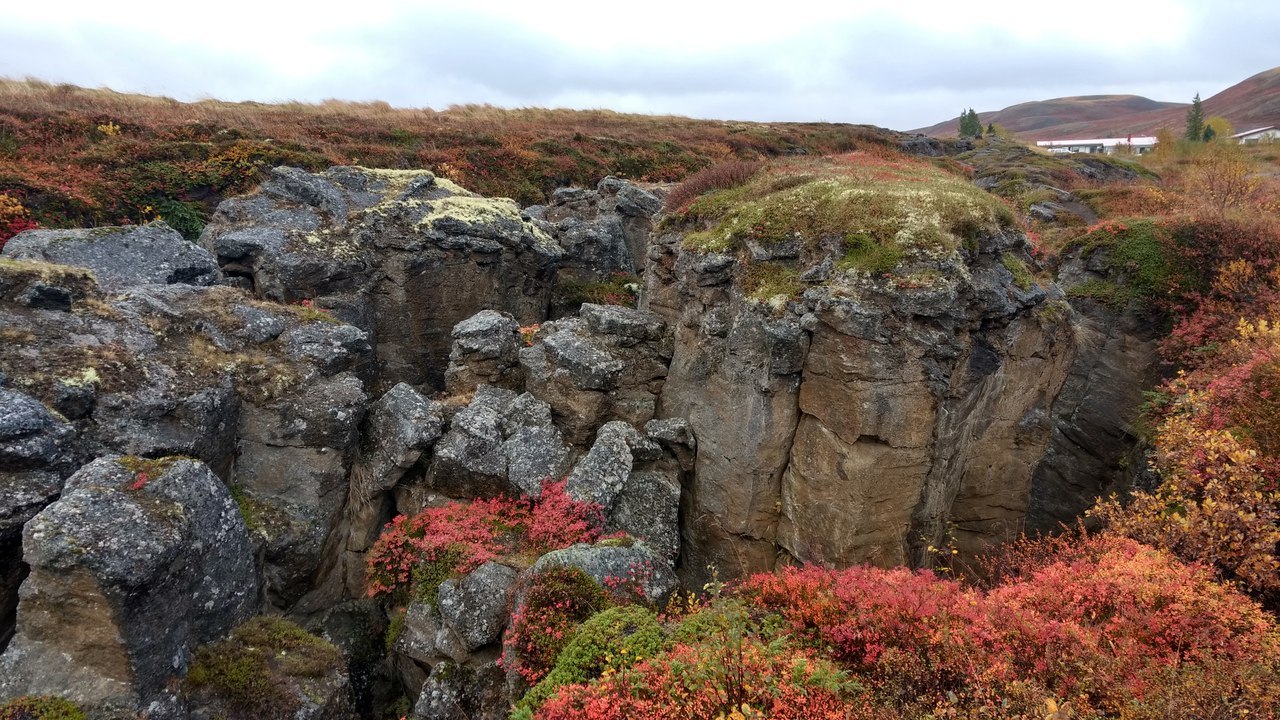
column 479, row 210
column 900, row 203
column 249, row 673
column 40, row 707
column 1022, row 276
column 151, row 467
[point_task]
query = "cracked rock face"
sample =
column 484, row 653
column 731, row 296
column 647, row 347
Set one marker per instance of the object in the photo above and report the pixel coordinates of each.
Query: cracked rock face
column 131, row 568
column 855, row 425
column 406, row 255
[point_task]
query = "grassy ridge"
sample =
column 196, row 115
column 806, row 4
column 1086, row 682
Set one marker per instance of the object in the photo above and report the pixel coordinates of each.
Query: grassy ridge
column 73, row 156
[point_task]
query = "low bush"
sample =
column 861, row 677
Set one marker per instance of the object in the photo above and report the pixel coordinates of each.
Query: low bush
column 40, row 707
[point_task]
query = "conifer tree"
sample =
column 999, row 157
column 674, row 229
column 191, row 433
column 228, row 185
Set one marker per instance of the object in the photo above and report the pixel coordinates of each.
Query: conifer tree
column 1195, row 120
column 970, row 125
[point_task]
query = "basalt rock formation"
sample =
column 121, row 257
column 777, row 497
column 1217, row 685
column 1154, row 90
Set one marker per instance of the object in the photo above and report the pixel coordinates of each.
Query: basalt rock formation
column 231, row 438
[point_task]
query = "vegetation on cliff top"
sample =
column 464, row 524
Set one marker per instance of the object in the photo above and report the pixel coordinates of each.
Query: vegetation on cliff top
column 891, row 199
column 72, row 157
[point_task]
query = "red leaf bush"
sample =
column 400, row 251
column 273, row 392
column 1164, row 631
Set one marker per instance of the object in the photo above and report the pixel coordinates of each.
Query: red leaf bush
column 456, row 538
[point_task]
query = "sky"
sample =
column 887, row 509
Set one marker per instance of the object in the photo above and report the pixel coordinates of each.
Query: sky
column 900, row 65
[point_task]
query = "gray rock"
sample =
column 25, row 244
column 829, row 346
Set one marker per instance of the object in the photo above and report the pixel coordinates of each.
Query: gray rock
column 332, row 348
column 260, row 326
column 486, row 335
column 469, row 460
column 412, row 254
column 671, row 432
column 475, row 606
column 418, row 638
column 402, row 426
column 636, row 202
column 600, row 475
column 622, row 321
column 120, row 257
column 152, row 564
column 589, row 367
column 603, row 562
column 648, row 508
column 30, row 436
column 534, row 455
column 486, row 350
column 472, row 691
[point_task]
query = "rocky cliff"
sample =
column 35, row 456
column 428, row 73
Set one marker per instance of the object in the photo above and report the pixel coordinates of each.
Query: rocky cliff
column 842, row 360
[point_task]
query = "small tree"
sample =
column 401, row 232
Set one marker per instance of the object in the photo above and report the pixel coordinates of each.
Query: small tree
column 970, row 125
column 1195, row 120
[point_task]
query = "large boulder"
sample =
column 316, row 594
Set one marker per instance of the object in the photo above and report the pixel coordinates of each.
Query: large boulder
column 486, row 351
column 501, row 442
column 120, row 257
column 405, row 254
column 137, row 563
column 607, row 364
column 609, row 564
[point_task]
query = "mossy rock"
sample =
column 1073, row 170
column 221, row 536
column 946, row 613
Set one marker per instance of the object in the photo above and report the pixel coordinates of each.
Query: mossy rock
column 40, row 707
column 268, row 669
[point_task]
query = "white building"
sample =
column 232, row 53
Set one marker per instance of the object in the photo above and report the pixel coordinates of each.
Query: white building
column 1138, row 145
column 1270, row 133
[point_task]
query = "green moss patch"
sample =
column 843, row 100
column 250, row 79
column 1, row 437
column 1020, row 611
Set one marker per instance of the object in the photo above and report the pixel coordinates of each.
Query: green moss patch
column 1022, row 276
column 252, row 674
column 613, row 639
column 1140, row 259
column 40, row 707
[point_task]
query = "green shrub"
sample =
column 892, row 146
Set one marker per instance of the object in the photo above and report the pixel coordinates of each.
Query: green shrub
column 40, row 707
column 862, row 252
column 613, row 639
column 250, row 672
column 188, row 218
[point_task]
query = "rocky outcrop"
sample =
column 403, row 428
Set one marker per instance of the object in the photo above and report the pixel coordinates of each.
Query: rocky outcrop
column 486, row 351
column 865, row 421
column 405, row 255
column 137, row 563
column 604, row 230
column 607, row 364
column 1093, row 449
column 120, row 257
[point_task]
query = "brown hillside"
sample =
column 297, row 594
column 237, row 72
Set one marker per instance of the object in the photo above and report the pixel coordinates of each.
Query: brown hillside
column 1255, row 102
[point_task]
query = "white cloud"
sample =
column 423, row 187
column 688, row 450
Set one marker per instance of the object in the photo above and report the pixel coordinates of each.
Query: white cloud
column 900, row 65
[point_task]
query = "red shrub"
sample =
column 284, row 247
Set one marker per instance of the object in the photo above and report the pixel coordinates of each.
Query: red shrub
column 462, row 536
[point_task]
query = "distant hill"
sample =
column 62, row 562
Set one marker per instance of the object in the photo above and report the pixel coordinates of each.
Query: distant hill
column 1252, row 103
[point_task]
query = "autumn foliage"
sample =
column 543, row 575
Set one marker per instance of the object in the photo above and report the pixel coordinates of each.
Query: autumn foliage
column 1098, row 627
column 414, row 554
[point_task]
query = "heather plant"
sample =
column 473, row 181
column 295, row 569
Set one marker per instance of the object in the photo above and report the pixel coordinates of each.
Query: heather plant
column 414, row 554
column 552, row 605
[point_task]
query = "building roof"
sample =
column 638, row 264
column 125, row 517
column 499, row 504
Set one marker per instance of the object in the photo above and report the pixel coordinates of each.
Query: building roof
column 1246, row 133
column 1135, row 140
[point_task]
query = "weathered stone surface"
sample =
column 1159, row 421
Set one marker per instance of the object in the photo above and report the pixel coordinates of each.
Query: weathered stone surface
column 295, row 454
column 475, row 606
column 501, row 442
column 119, row 257
column 472, row 691
column 130, row 570
column 486, row 351
column 648, row 508
column 30, row 436
column 858, row 422
column 1094, row 440
column 600, row 475
column 411, row 253
column 608, row 365
column 606, row 561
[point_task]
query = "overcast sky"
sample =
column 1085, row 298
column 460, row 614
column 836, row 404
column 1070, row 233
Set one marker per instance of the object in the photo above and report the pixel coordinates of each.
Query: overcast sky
column 892, row 63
